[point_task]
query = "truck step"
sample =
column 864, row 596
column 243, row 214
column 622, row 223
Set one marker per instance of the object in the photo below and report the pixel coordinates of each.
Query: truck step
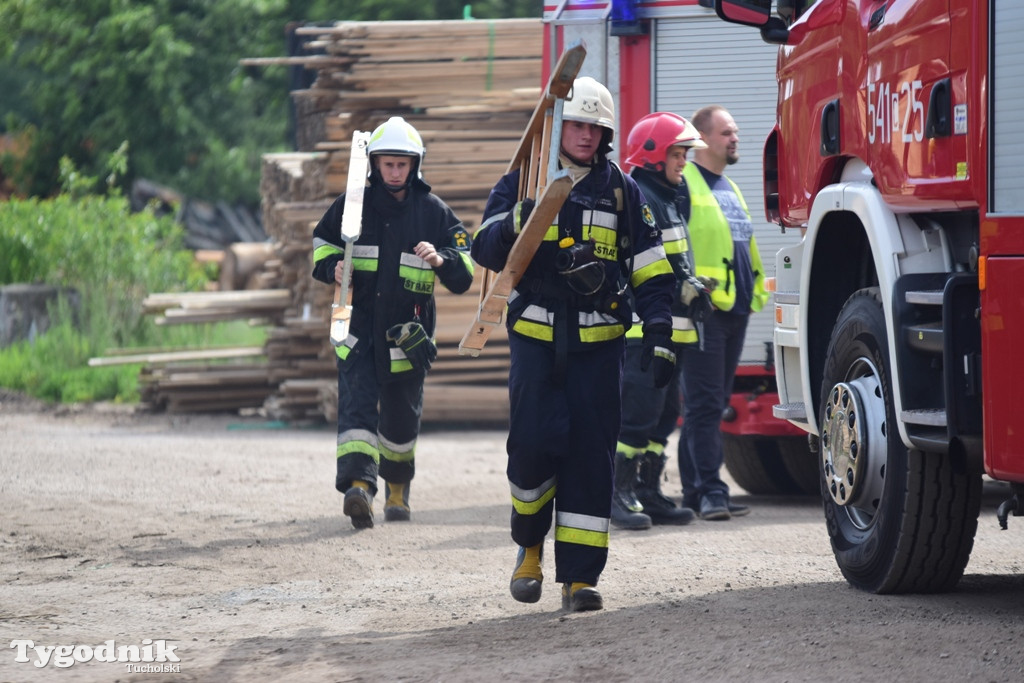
column 931, row 417
column 790, row 411
column 930, row 297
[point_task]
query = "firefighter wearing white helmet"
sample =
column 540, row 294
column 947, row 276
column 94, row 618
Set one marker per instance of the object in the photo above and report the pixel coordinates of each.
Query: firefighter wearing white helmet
column 566, row 321
column 409, row 238
column 396, row 137
column 656, row 151
column 590, row 102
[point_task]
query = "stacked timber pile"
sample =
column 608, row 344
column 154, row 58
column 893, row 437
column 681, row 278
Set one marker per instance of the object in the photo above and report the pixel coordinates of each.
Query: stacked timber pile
column 469, row 87
column 298, row 350
column 212, row 379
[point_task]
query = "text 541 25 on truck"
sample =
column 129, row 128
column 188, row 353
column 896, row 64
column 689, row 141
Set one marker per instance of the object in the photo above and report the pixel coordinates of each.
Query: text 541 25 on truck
column 898, row 149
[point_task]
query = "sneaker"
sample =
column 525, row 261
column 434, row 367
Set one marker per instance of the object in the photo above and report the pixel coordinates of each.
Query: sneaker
column 359, row 506
column 714, row 508
column 580, row 597
column 737, row 510
column 525, row 585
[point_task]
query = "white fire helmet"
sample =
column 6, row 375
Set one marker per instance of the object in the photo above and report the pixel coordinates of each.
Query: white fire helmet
column 590, row 102
column 396, row 137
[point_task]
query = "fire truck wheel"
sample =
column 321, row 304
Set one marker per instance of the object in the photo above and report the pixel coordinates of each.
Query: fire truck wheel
column 900, row 521
column 757, row 466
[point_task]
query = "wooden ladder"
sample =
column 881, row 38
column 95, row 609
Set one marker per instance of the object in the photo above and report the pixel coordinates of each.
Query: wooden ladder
column 540, row 179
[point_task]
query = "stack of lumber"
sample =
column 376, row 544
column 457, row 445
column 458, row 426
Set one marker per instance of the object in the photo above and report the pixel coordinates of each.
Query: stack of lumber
column 469, row 87
column 213, row 379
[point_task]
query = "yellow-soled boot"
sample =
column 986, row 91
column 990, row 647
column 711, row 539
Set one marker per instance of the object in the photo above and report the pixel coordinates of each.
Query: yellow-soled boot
column 358, row 505
column 527, row 576
column 580, row 597
column 396, row 505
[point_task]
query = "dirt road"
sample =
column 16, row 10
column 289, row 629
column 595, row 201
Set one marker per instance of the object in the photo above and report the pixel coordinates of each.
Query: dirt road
column 224, row 539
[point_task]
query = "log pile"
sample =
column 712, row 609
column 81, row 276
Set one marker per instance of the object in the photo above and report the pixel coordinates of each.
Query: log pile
column 469, row 87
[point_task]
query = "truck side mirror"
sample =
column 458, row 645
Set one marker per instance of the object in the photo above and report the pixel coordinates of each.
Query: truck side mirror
column 748, row 12
column 775, row 31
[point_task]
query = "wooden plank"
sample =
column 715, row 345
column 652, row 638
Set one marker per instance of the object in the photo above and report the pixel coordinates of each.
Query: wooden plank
column 172, row 356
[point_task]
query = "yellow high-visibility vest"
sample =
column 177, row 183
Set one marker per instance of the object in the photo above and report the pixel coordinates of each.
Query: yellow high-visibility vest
column 712, row 243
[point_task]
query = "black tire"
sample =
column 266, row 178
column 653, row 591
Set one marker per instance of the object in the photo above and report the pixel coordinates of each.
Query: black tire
column 803, row 466
column 899, row 520
column 756, row 465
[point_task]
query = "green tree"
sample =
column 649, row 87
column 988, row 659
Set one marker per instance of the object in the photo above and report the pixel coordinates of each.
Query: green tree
column 161, row 75
column 80, row 78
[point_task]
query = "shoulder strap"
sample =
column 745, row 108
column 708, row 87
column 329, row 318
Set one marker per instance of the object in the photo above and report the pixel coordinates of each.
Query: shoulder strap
column 624, row 237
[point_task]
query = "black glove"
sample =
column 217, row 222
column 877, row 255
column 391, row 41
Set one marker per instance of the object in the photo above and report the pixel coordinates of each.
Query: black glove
column 657, row 354
column 695, row 294
column 512, row 224
column 413, row 340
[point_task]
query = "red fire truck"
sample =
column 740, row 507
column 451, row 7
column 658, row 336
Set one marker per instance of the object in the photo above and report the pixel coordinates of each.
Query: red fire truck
column 667, row 56
column 897, row 150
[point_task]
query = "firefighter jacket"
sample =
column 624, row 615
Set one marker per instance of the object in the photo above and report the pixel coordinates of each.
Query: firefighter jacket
column 662, row 199
column 713, row 246
column 626, row 245
column 390, row 283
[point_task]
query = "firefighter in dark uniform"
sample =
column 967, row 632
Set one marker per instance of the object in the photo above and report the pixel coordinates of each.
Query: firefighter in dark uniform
column 566, row 320
column 656, row 155
column 408, row 237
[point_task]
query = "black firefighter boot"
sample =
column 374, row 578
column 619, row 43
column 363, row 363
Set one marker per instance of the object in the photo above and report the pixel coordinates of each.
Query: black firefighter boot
column 659, row 507
column 627, row 512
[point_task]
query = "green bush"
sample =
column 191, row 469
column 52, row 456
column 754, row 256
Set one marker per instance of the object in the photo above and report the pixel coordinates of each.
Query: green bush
column 96, row 245
column 114, row 258
column 54, row 367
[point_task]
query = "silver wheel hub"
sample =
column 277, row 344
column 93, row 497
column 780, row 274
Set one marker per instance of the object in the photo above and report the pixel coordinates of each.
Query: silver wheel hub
column 854, row 444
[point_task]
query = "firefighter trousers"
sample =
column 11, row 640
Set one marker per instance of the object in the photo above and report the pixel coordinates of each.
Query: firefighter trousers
column 561, row 445
column 378, row 424
column 649, row 414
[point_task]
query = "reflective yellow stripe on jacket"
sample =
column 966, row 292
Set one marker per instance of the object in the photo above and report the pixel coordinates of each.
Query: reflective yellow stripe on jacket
column 539, row 322
column 683, row 330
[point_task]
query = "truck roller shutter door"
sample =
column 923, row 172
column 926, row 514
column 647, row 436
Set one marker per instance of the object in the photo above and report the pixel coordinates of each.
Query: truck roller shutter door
column 701, row 61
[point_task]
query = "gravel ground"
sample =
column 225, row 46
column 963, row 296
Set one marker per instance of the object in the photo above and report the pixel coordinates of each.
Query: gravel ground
column 223, row 537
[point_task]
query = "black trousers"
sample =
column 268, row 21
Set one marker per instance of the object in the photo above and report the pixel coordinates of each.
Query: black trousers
column 707, row 377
